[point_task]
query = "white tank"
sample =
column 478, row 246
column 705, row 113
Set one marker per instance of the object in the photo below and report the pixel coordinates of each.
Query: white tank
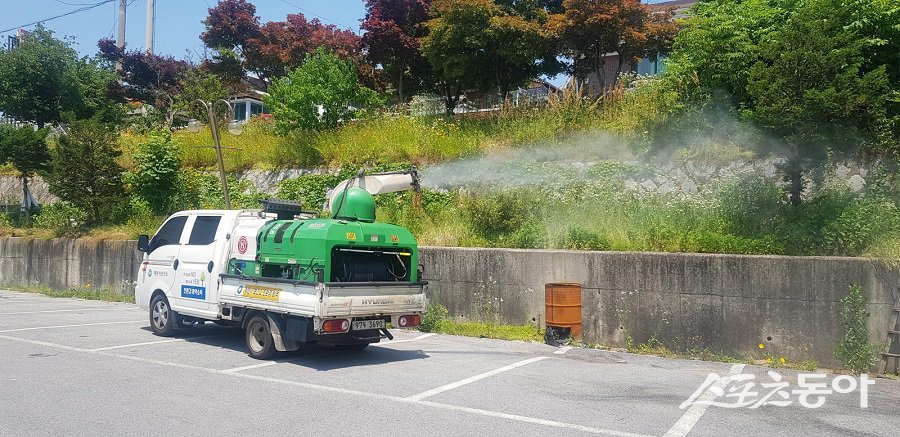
column 243, row 241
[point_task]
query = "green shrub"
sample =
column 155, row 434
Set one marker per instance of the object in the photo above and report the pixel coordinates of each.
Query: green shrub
column 494, row 215
column 854, row 349
column 434, row 316
column 752, row 206
column 579, row 238
column 62, row 218
column 155, row 175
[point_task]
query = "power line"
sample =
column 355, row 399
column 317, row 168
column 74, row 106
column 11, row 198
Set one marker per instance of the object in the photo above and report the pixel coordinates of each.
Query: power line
column 81, row 9
column 314, row 14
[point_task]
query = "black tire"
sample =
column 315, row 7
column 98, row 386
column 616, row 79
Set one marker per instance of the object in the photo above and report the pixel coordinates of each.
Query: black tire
column 260, row 344
column 162, row 318
column 352, row 347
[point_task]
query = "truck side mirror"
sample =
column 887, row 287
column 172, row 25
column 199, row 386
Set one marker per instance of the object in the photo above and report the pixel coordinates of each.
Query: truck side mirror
column 143, row 243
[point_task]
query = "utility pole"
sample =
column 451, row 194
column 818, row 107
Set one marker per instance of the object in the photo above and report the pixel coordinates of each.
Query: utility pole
column 151, row 26
column 120, row 37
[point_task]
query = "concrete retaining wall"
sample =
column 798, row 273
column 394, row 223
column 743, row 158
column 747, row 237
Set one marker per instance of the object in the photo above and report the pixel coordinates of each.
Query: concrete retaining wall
column 721, row 303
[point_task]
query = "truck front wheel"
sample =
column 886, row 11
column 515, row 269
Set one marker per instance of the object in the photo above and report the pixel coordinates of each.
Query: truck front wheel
column 260, row 344
column 162, row 318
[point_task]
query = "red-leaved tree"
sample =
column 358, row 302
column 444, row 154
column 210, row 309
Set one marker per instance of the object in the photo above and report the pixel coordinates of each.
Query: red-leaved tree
column 234, row 31
column 393, row 29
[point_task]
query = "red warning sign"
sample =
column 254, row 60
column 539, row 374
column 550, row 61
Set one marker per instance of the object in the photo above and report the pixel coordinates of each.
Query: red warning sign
column 242, row 245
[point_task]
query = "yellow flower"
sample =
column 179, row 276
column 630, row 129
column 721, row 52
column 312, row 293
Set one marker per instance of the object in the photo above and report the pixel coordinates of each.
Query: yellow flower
column 769, row 359
column 762, row 346
column 782, row 360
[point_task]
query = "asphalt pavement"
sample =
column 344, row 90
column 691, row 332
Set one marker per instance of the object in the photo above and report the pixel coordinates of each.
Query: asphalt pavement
column 76, row 367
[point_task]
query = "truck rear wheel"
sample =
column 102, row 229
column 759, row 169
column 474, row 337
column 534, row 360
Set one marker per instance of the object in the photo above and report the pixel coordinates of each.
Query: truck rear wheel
column 162, row 318
column 260, row 344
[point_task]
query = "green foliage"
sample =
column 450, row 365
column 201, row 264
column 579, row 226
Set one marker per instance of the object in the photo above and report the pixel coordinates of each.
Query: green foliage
column 310, row 189
column 25, row 148
column 818, row 75
column 323, row 81
column 86, row 291
column 155, row 174
column 84, row 171
column 437, row 319
column 854, row 349
column 496, row 215
column 43, row 80
column 202, row 85
column 434, row 316
column 584, row 239
column 62, row 218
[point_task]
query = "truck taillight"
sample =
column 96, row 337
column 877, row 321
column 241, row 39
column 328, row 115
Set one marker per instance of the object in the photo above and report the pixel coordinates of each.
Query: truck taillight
column 336, row 325
column 408, row 321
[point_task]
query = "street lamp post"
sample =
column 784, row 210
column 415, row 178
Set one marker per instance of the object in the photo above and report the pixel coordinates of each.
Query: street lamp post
column 234, row 128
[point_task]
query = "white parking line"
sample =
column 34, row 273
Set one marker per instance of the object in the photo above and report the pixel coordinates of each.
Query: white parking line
column 252, row 366
column 562, row 350
column 67, row 311
column 471, row 379
column 73, row 326
column 148, row 343
column 403, row 341
column 514, row 417
column 696, row 410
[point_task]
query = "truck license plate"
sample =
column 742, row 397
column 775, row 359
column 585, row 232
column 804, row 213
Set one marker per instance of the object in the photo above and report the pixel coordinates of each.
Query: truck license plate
column 360, row 325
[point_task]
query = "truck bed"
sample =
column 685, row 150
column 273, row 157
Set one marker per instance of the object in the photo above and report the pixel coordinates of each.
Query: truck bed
column 323, row 299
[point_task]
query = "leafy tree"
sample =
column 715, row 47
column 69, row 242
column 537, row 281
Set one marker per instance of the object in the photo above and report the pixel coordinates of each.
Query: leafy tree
column 589, row 29
column 479, row 44
column 26, row 149
column 198, row 84
column 456, row 46
column 44, row 78
column 155, row 177
column 809, row 87
column 152, row 79
column 318, row 95
column 270, row 49
column 811, row 73
column 393, row 29
column 719, row 43
column 285, row 44
column 84, row 170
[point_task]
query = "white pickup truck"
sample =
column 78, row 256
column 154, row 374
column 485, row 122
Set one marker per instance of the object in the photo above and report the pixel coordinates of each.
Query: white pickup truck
column 340, row 281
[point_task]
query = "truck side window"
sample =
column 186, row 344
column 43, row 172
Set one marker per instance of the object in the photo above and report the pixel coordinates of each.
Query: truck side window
column 204, row 231
column 170, row 233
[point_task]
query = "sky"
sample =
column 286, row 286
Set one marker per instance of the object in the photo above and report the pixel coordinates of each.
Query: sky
column 178, row 22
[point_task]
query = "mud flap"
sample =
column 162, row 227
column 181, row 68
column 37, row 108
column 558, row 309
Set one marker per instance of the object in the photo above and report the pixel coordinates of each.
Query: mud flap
column 282, row 344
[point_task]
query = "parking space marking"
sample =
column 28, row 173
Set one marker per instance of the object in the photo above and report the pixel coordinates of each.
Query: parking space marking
column 147, row 343
column 73, row 326
column 403, row 341
column 534, row 420
column 471, row 379
column 252, row 366
column 562, row 350
column 696, row 410
column 497, row 414
column 67, row 311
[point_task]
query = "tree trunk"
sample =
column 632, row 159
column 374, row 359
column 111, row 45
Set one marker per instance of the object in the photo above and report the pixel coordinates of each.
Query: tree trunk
column 400, row 82
column 795, row 178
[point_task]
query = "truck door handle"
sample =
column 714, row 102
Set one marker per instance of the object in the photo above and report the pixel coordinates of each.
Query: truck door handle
column 175, row 265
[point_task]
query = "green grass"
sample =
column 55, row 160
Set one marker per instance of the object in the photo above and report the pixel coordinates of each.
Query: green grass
column 86, row 292
column 489, row 330
column 386, row 138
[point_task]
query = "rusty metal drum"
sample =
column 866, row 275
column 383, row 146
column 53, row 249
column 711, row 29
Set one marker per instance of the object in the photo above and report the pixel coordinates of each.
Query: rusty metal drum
column 563, row 307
